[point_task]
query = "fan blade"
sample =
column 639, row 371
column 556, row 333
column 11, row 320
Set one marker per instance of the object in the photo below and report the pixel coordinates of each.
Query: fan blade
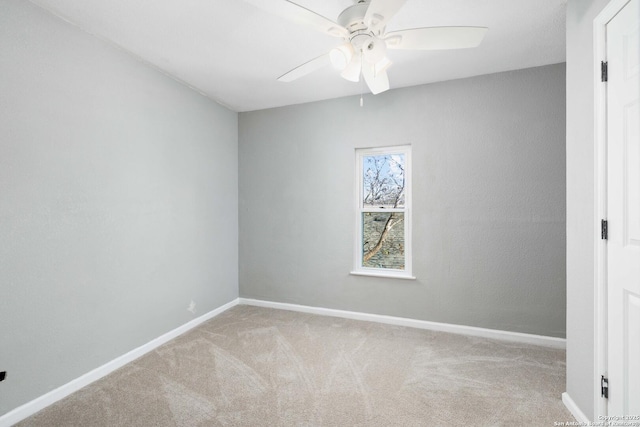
column 306, row 68
column 352, row 72
column 380, row 12
column 301, row 15
column 377, row 82
column 434, row 38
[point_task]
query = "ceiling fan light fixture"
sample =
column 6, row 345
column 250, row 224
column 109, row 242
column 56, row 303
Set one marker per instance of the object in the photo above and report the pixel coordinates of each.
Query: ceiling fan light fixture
column 341, row 56
column 353, row 70
column 363, row 29
column 374, row 50
column 382, row 66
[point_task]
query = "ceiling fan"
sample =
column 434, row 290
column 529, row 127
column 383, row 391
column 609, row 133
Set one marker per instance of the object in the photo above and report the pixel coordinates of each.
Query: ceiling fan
column 362, row 27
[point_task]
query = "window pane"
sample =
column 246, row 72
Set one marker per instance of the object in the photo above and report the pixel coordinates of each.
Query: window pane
column 383, row 240
column 383, row 180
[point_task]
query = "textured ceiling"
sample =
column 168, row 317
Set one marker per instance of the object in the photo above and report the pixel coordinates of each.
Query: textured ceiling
column 233, row 52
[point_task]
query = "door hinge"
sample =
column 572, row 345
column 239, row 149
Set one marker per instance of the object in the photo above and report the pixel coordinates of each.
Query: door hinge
column 604, row 229
column 604, row 387
column 604, row 71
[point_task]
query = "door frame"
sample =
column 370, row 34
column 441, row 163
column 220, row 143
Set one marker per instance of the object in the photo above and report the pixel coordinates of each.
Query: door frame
column 600, row 200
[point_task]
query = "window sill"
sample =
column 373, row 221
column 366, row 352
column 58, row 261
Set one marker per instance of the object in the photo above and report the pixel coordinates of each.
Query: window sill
column 384, row 275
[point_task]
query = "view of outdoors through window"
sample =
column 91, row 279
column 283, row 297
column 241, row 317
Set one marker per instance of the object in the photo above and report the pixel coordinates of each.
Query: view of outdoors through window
column 382, row 210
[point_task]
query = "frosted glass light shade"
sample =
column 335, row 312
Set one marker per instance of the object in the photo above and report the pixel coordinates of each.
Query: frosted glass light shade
column 341, row 56
column 374, row 50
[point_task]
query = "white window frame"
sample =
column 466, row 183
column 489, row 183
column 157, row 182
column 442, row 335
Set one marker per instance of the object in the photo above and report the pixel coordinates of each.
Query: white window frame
column 359, row 269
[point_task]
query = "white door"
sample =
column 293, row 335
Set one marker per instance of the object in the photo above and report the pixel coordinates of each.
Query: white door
column 623, row 206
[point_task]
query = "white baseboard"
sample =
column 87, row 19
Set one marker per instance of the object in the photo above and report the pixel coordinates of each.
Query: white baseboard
column 413, row 323
column 574, row 409
column 20, row 413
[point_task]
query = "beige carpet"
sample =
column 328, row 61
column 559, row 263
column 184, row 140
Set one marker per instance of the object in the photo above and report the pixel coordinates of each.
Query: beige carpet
column 253, row 366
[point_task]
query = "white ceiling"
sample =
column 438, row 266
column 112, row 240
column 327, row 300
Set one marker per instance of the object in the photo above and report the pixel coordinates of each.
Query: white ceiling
column 233, row 52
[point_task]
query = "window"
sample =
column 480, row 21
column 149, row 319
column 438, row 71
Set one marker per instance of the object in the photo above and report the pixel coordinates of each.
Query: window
column 383, row 214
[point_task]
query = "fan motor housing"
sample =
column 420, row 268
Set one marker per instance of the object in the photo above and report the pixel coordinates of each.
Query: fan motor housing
column 352, row 18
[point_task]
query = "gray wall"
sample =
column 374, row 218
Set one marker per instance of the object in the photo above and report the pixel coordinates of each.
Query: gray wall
column 580, row 202
column 489, row 201
column 118, row 203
